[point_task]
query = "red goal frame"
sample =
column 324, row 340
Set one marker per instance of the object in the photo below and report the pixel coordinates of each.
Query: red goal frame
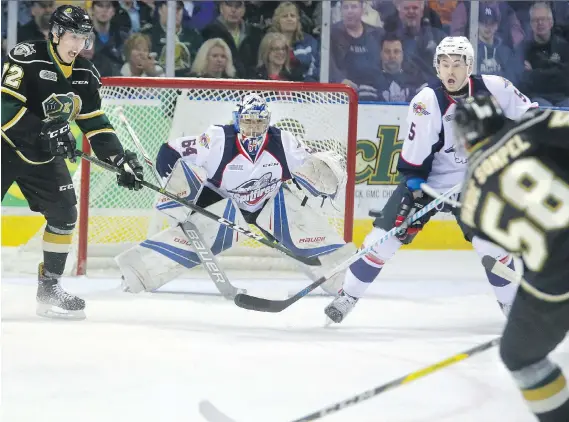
column 230, row 84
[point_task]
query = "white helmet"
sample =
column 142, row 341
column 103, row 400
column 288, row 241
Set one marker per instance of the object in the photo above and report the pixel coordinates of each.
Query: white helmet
column 455, row 45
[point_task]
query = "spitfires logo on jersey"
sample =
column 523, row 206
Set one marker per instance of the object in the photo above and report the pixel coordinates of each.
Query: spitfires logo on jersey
column 420, row 109
column 253, row 191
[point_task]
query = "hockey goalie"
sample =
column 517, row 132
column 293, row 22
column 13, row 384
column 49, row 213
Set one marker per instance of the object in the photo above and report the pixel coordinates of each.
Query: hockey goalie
column 250, row 172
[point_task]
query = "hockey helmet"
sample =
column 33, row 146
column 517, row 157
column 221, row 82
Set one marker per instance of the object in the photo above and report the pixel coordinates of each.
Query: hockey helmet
column 74, row 19
column 455, row 46
column 251, row 119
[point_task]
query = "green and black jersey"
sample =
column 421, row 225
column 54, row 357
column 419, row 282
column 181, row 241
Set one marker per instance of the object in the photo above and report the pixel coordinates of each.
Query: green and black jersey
column 516, row 194
column 37, row 86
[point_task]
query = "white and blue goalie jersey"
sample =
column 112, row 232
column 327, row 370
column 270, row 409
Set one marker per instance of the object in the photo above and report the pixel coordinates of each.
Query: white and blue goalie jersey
column 429, row 151
column 233, row 172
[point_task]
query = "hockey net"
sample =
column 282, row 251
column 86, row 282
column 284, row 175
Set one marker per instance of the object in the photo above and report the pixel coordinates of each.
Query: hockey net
column 112, row 219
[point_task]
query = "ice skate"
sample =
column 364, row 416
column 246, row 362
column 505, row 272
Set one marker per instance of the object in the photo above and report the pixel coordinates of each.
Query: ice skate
column 54, row 302
column 340, row 307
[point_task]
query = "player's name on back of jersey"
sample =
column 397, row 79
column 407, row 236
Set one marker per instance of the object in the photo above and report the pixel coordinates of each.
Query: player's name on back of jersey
column 490, row 165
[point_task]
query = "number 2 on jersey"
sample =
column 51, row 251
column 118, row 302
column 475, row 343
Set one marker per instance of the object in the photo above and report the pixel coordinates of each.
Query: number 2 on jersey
column 532, row 187
column 12, row 75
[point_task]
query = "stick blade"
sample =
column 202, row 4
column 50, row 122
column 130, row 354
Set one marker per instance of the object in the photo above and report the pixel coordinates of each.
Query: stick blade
column 259, row 304
column 212, row 414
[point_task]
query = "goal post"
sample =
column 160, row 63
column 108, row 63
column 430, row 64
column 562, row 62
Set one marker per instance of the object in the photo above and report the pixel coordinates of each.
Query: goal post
column 112, row 219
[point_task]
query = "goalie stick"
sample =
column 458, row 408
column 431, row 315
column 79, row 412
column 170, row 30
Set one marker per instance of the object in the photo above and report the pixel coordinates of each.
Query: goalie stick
column 204, row 212
column 190, row 230
column 212, row 414
column 266, row 305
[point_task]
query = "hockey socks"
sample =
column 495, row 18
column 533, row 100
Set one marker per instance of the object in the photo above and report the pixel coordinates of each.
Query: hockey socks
column 361, row 274
column 56, row 245
column 548, row 399
column 504, row 290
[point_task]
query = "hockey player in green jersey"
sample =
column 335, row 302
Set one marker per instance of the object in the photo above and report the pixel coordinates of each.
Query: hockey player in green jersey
column 46, row 85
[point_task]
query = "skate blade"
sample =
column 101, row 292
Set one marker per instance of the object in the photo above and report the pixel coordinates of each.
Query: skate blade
column 55, row 312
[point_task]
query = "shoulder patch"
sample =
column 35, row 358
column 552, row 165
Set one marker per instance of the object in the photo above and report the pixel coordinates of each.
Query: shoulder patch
column 204, row 140
column 24, row 49
column 420, row 109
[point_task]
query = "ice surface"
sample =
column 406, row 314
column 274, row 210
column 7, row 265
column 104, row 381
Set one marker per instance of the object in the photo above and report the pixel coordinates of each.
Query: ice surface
column 154, row 357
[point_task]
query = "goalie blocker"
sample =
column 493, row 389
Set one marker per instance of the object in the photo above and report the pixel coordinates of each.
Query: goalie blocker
column 243, row 167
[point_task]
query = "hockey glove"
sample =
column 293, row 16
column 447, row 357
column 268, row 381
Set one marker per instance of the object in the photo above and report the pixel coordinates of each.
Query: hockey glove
column 57, row 135
column 131, row 171
column 412, row 200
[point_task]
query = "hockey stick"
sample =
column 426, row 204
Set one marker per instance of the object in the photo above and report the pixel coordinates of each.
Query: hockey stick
column 212, row 414
column 266, row 305
column 194, row 236
column 434, row 194
column 204, row 212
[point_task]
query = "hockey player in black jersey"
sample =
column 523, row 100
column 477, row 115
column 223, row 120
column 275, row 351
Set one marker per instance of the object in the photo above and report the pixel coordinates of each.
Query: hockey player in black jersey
column 46, row 85
column 516, row 194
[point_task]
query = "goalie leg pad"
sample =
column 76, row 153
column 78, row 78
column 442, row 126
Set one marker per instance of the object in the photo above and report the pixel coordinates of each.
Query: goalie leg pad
column 162, row 258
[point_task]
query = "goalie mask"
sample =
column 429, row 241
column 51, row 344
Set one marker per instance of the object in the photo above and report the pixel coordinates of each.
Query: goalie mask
column 454, row 61
column 251, row 119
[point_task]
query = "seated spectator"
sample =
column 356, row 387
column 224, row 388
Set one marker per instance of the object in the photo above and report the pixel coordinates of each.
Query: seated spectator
column 260, row 13
column 242, row 38
column 561, row 21
column 546, row 61
column 132, row 15
column 139, row 60
column 213, row 61
column 370, row 16
column 494, row 58
column 510, row 29
column 103, row 65
column 309, row 19
column 274, row 59
column 354, row 52
column 388, row 9
column 108, row 39
column 419, row 39
column 187, row 43
column 305, row 53
column 37, row 28
column 394, row 84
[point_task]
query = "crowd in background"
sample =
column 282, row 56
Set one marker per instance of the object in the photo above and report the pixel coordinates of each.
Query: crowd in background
column 382, row 48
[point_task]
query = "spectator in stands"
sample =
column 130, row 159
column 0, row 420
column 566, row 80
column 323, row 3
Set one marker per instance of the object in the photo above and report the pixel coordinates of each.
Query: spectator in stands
column 494, row 58
column 394, row 84
column 274, row 59
column 561, row 19
column 354, row 52
column 104, row 66
column 388, row 9
column 108, row 38
column 546, row 61
column 242, row 38
column 38, row 27
column 305, row 53
column 510, row 29
column 370, row 16
column 419, row 38
column 187, row 43
column 213, row 60
column 132, row 15
column 139, row 59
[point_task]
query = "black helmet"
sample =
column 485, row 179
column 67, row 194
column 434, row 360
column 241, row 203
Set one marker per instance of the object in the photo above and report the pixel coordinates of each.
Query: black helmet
column 70, row 18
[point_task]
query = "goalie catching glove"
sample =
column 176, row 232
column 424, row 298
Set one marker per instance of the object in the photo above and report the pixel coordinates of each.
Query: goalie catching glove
column 321, row 174
column 131, row 171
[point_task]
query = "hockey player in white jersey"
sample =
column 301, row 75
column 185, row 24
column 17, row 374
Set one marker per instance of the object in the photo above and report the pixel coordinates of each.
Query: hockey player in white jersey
column 240, row 169
column 429, row 155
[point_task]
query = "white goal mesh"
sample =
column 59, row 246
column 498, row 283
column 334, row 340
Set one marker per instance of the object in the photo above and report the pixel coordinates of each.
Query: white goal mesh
column 161, row 109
